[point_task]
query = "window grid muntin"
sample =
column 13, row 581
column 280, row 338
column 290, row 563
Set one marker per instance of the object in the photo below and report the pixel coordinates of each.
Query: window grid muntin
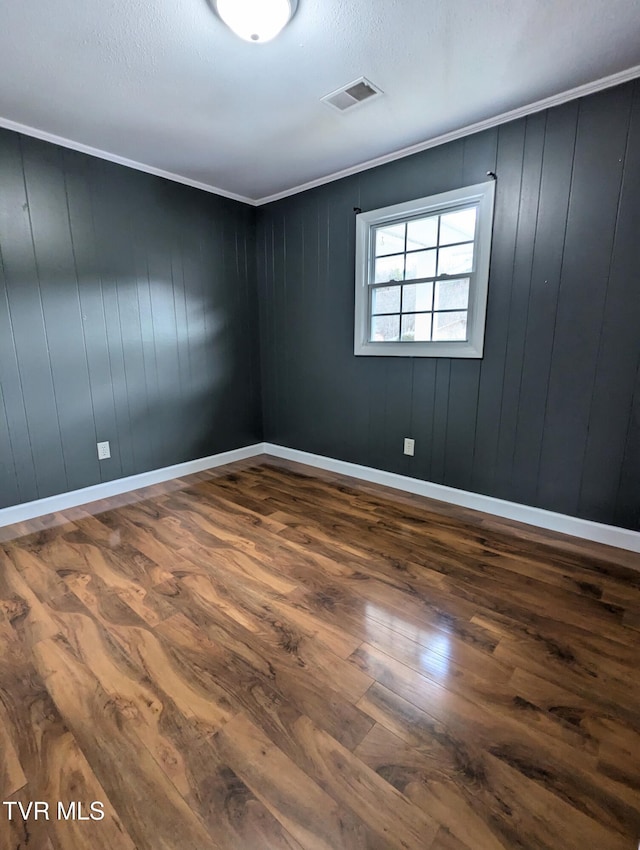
column 431, row 279
column 444, row 210
column 433, row 312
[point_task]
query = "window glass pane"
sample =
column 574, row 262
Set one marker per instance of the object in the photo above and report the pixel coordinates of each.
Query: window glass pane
column 450, row 326
column 422, row 233
column 421, row 275
column 421, row 264
column 416, row 327
column 455, row 260
column 389, row 268
column 458, row 226
column 385, row 299
column 385, row 328
column 452, row 294
column 390, row 239
column 417, row 296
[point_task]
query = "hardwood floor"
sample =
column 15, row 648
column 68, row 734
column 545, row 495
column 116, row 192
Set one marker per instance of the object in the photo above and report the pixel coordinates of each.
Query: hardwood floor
column 267, row 657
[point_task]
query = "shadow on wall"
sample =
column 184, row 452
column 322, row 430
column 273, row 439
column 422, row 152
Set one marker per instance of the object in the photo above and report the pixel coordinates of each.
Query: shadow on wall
column 126, row 314
column 141, row 363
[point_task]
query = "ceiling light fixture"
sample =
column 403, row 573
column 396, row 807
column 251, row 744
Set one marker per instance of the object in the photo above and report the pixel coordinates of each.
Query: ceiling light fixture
column 256, row 20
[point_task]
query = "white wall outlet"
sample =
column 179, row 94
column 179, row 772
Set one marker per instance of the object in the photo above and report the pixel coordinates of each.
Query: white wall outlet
column 104, row 451
column 409, row 446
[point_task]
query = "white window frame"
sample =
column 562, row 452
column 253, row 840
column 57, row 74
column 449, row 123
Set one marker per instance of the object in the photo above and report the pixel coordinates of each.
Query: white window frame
column 483, row 195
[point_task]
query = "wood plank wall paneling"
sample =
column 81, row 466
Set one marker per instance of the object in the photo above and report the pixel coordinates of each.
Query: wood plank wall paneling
column 127, row 313
column 551, row 416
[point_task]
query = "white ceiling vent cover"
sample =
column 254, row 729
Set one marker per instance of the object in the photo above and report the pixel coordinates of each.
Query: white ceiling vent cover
column 353, row 94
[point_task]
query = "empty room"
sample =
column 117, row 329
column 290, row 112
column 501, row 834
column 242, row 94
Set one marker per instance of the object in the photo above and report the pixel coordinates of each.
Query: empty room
column 320, row 425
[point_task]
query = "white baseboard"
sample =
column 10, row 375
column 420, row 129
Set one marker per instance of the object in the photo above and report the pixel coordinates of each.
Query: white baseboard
column 586, row 529
column 583, row 528
column 76, row 498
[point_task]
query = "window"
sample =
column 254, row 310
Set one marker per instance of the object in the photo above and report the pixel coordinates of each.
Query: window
column 422, row 271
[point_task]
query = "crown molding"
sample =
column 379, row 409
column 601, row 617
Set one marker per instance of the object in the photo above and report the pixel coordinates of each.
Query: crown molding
column 119, row 160
column 487, row 124
column 468, row 130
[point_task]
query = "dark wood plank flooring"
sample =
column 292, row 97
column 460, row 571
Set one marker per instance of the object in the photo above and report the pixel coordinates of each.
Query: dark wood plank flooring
column 266, row 657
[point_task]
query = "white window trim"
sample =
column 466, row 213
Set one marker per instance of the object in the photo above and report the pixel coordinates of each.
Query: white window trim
column 481, row 193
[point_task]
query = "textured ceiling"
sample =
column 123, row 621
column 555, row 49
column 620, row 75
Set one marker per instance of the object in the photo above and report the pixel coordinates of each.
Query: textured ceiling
column 165, row 84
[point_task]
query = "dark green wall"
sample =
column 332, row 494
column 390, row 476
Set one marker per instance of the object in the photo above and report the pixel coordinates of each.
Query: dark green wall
column 551, row 416
column 127, row 313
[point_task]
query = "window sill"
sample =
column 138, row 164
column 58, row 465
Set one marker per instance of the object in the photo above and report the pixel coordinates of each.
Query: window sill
column 415, row 349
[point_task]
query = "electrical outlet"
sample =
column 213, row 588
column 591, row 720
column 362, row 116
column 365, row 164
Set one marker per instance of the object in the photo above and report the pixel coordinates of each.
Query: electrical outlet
column 104, row 452
column 409, row 446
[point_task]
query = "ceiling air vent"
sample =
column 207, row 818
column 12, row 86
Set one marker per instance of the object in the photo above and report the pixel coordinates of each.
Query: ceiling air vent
column 351, row 95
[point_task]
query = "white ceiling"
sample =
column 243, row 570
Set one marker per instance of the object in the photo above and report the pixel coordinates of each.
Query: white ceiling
column 164, row 84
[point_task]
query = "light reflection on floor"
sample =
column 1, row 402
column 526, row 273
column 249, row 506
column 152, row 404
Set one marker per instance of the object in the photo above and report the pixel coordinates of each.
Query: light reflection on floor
column 431, row 649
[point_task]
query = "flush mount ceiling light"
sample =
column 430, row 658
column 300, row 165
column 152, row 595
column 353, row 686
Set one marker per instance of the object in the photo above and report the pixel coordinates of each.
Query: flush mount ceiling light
column 256, row 20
